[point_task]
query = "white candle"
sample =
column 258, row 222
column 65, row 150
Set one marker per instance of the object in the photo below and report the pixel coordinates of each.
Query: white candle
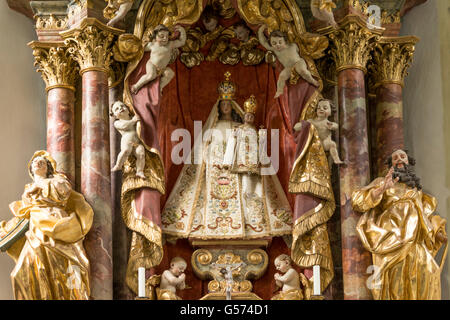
column 316, row 281
column 141, row 282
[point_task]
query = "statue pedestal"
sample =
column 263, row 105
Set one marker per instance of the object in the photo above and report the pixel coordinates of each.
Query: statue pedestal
column 230, row 265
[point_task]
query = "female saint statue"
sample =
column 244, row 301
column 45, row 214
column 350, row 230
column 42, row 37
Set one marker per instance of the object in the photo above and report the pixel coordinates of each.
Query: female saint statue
column 51, row 263
column 208, row 200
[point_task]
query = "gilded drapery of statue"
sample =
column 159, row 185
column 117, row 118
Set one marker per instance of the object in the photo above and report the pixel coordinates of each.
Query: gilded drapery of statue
column 399, row 229
column 51, row 263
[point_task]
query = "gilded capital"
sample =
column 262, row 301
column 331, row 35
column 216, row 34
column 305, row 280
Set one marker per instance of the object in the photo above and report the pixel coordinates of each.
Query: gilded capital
column 91, row 45
column 352, row 43
column 392, row 57
column 55, row 64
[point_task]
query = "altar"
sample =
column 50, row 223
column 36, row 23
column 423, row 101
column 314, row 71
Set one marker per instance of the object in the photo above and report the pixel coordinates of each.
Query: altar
column 224, row 147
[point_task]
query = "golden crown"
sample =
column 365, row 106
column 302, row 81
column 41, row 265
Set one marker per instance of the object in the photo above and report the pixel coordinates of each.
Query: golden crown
column 250, row 105
column 227, row 89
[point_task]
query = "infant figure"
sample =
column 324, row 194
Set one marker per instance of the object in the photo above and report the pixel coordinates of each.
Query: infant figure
column 130, row 141
column 172, row 279
column 161, row 55
column 324, row 128
column 289, row 280
column 289, row 56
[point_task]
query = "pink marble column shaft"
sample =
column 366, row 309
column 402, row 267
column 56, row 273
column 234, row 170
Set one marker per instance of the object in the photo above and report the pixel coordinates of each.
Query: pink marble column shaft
column 96, row 181
column 389, row 124
column 354, row 174
column 60, row 129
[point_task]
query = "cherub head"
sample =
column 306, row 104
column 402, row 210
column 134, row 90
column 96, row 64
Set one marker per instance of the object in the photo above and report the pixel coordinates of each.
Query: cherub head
column 283, row 263
column 242, row 32
column 161, row 35
column 177, row 266
column 120, row 111
column 324, row 108
column 278, row 40
column 210, row 19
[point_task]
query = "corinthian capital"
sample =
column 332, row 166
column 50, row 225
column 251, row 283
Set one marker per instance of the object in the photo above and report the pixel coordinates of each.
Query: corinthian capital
column 55, row 64
column 391, row 58
column 90, row 44
column 352, row 43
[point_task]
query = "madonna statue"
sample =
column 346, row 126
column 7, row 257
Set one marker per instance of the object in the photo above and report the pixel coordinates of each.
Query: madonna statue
column 208, row 201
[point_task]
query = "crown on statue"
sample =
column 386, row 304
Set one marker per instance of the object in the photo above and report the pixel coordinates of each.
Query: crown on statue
column 227, row 89
column 250, row 105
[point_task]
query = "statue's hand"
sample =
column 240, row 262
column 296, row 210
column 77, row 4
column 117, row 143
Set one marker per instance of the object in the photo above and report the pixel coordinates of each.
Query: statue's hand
column 389, row 182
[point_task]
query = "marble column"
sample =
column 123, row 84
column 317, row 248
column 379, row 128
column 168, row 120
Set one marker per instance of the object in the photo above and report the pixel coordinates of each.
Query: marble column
column 59, row 72
column 350, row 48
column 391, row 59
column 90, row 45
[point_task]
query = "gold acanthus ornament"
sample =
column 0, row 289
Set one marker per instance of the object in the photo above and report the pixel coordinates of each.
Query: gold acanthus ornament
column 352, row 44
column 55, row 64
column 51, row 23
column 391, row 59
column 90, row 44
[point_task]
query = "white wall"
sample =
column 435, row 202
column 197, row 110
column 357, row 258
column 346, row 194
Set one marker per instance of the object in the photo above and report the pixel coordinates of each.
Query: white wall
column 22, row 120
column 426, row 131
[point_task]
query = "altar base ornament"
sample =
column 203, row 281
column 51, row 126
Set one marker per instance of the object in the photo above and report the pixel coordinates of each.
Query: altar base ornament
column 51, row 263
column 171, row 280
column 288, row 55
column 400, row 231
column 230, row 265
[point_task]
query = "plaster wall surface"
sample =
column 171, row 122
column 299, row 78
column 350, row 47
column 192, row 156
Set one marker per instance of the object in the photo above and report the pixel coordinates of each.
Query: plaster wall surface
column 426, row 105
column 22, row 121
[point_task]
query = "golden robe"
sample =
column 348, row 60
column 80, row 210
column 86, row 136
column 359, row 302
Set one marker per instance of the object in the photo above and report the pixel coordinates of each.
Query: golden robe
column 398, row 228
column 51, row 263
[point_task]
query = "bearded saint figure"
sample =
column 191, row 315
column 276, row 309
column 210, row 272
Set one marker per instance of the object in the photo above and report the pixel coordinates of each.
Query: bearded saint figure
column 400, row 230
